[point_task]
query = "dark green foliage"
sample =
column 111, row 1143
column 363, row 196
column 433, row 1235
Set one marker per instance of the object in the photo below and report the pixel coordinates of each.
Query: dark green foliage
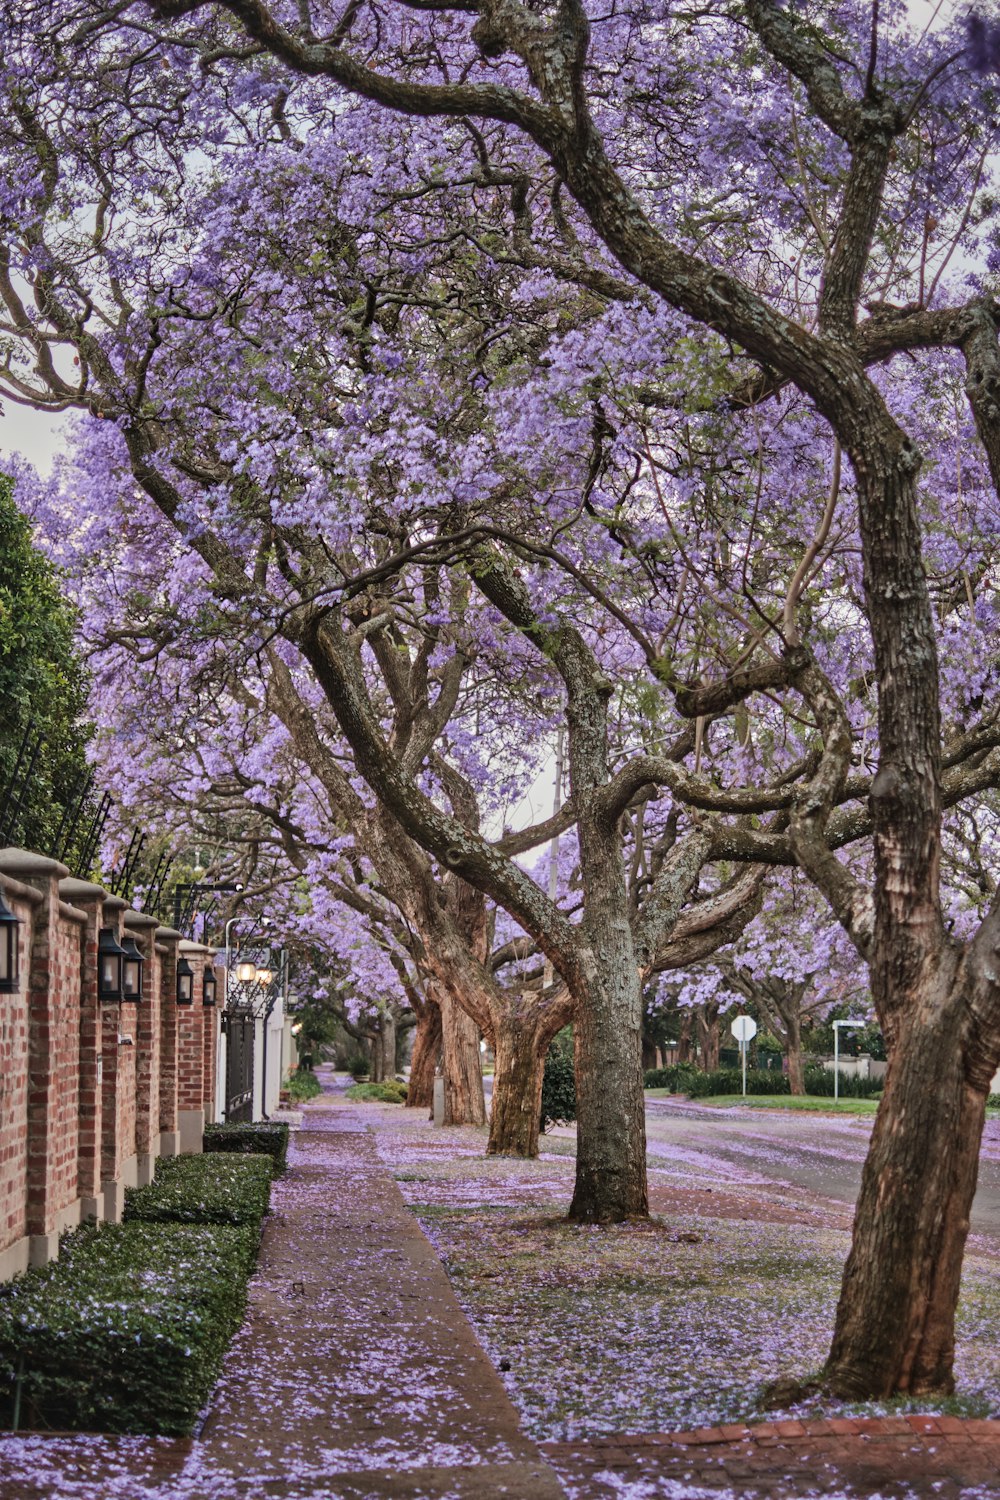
column 125, row 1332
column 267, row 1136
column 212, row 1189
column 682, row 1079
column 389, row 1092
column 819, row 1081
column 303, row 1085
column 677, row 1078
column 42, row 682
column 559, row 1081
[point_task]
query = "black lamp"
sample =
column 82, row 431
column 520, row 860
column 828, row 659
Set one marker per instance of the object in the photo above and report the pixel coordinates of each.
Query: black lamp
column 131, row 970
column 10, row 967
column 185, row 982
column 209, row 986
column 110, row 962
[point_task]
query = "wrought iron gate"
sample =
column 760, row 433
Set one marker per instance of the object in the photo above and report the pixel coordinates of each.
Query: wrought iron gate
column 239, row 1066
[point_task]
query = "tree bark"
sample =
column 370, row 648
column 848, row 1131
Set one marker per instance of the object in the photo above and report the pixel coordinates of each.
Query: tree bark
column 610, row 1105
column 387, row 1043
column 464, row 1103
column 895, row 1327
column 424, row 1061
column 684, row 1039
column 793, row 1052
column 708, row 1035
column 519, row 1047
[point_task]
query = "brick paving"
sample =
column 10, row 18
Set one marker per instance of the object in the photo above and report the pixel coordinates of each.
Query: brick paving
column 896, row 1458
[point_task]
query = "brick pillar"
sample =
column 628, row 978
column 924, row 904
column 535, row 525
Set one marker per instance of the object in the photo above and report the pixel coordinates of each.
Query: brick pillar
column 53, row 989
column 211, row 1040
column 15, row 1246
column 147, row 1046
column 166, row 941
column 191, row 1054
column 119, row 1159
column 89, row 899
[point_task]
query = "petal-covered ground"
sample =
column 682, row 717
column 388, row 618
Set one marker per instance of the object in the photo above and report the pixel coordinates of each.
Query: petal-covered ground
column 665, row 1327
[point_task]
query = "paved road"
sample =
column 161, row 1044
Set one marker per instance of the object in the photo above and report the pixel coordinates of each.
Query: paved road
column 821, row 1153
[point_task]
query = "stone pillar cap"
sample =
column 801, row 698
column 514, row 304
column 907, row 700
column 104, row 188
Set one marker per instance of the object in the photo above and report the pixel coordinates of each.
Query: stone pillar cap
column 186, row 946
column 141, row 919
column 81, row 890
column 15, row 861
column 168, row 934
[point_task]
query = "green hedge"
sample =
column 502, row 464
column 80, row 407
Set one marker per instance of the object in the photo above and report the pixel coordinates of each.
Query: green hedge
column 125, row 1332
column 559, row 1081
column 683, row 1079
column 389, row 1092
column 267, row 1136
column 204, row 1190
column 303, row 1084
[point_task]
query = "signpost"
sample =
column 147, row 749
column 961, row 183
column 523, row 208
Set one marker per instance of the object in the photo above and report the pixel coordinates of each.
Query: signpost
column 744, row 1029
column 851, row 1026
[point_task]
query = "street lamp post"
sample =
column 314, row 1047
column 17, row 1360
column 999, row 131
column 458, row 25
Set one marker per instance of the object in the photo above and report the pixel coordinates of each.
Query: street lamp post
column 257, row 922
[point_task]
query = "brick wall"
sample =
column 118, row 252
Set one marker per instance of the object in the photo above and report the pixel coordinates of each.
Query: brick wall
column 147, row 1040
column 14, row 1094
column 89, row 1089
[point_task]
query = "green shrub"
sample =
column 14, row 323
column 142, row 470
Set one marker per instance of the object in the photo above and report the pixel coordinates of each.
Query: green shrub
column 559, row 1081
column 204, row 1190
column 684, row 1079
column 676, row 1078
column 303, row 1085
column 389, row 1092
column 125, row 1332
column 819, row 1081
column 267, row 1136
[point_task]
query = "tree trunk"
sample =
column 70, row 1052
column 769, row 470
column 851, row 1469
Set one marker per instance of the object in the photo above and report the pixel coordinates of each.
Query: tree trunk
column 895, row 1327
column 708, row 1035
column 374, row 1045
column 464, row 1103
column 423, row 1063
column 387, row 1044
column 519, row 1048
column 684, row 1039
column 793, row 1052
column 610, row 1105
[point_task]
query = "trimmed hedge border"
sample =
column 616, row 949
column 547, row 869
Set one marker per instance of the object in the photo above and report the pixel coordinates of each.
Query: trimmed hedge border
column 125, row 1332
column 682, row 1079
column 267, row 1136
column 204, row 1190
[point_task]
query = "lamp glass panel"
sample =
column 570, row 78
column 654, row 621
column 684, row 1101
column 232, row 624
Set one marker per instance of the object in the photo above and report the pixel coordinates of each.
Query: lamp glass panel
column 109, row 972
column 8, row 953
column 246, row 972
column 133, row 981
column 185, row 986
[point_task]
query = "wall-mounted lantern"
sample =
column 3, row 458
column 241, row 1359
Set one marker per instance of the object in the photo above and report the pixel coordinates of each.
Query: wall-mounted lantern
column 10, row 966
column 209, row 986
column 131, row 970
column 185, row 982
column 110, row 962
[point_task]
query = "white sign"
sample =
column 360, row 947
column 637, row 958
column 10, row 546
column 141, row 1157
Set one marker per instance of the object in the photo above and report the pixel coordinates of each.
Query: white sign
column 744, row 1028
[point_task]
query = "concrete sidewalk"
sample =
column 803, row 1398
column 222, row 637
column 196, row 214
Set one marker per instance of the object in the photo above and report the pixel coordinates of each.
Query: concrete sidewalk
column 356, row 1372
